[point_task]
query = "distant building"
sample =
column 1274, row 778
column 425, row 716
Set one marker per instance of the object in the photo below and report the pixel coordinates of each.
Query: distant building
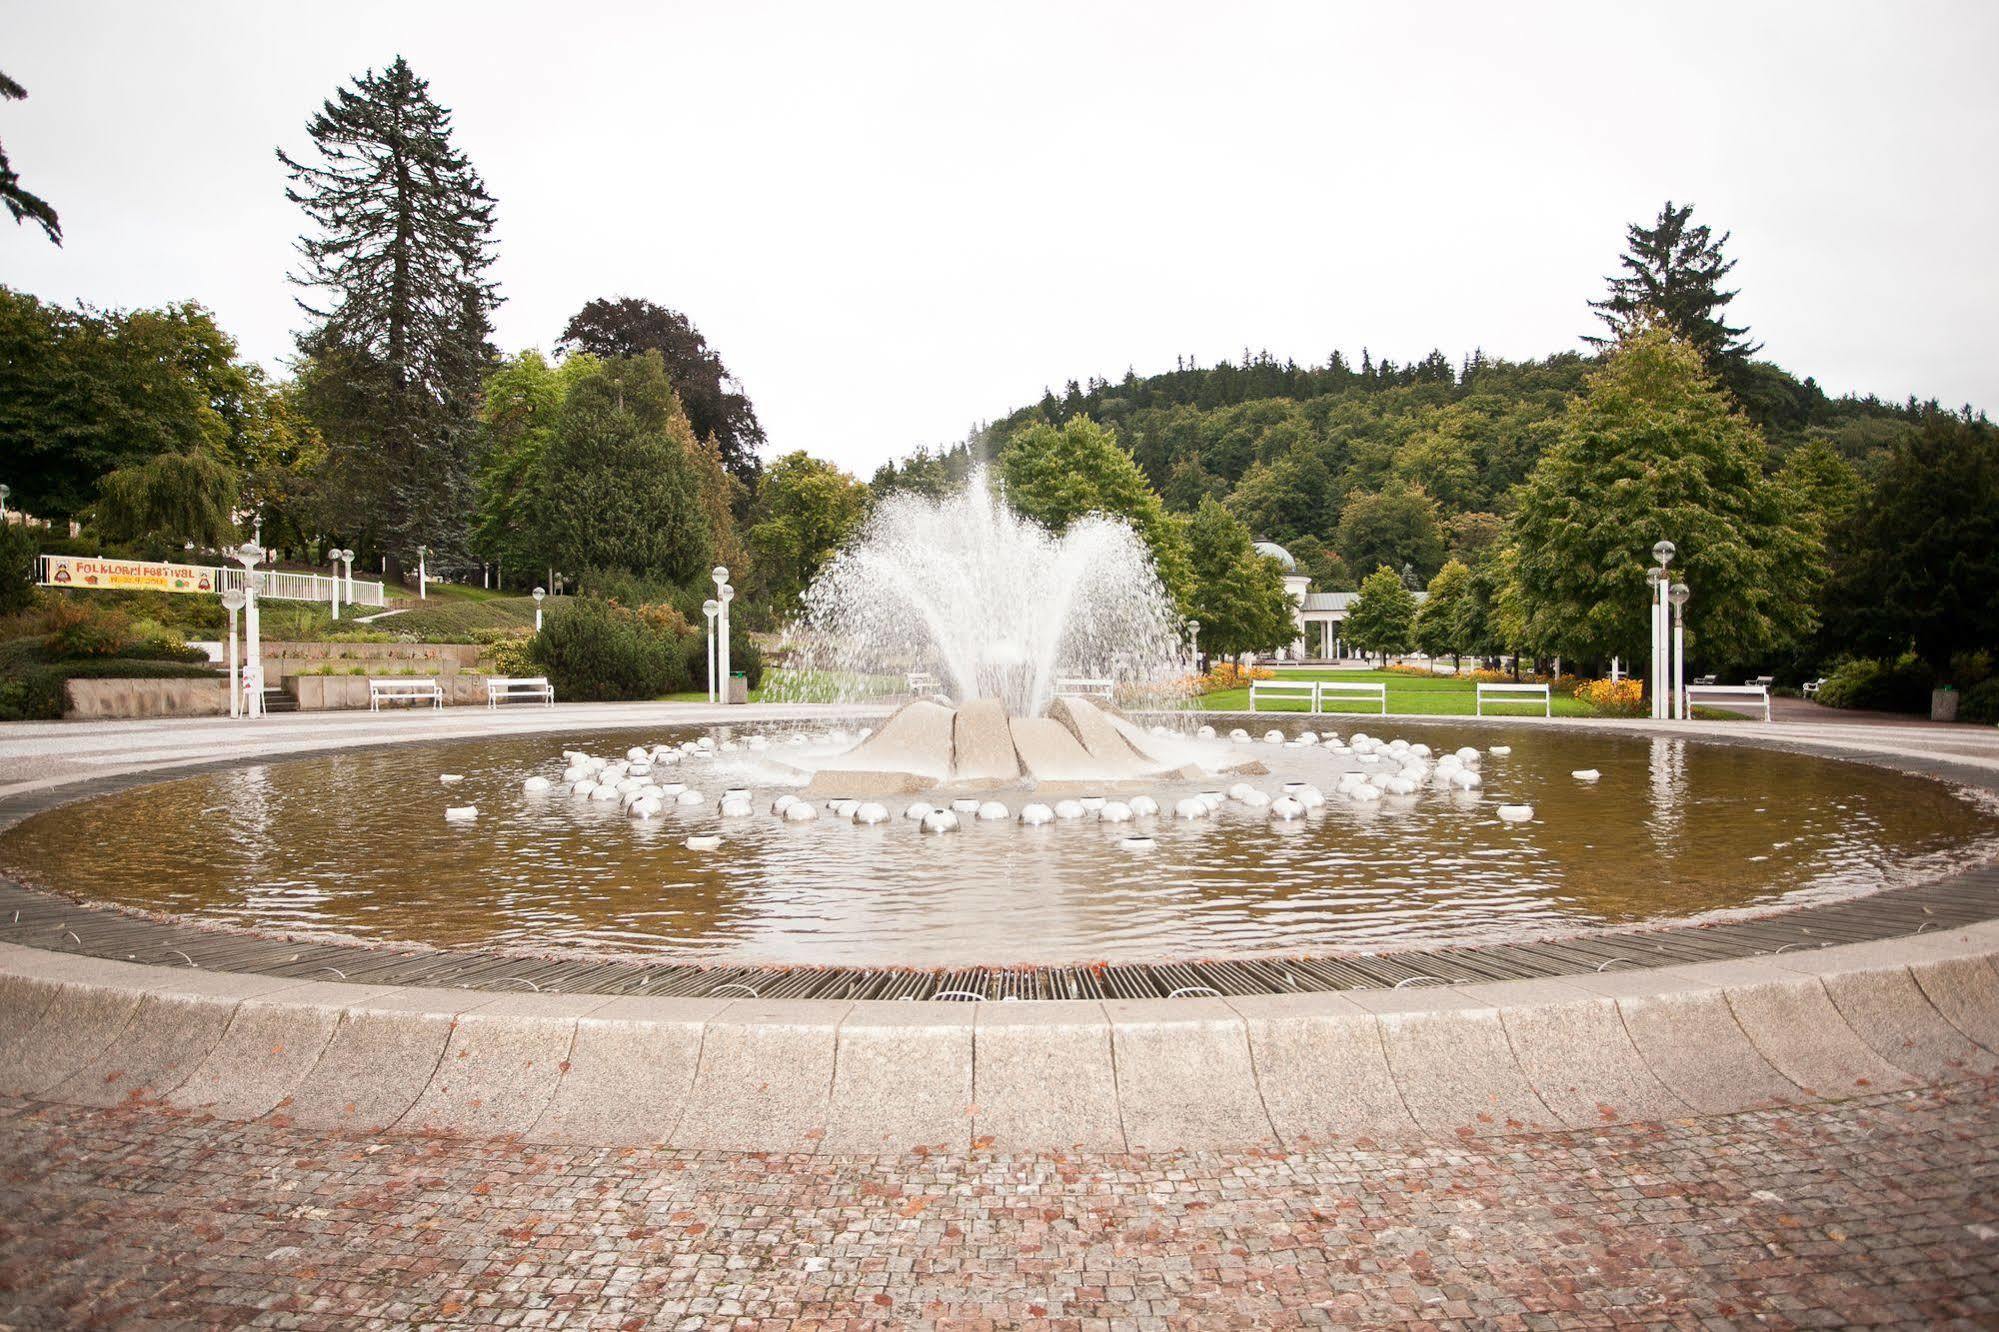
column 1318, row 615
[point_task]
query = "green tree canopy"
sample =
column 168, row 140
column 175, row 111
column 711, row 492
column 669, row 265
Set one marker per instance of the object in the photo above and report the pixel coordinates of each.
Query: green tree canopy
column 1652, row 449
column 519, row 413
column 170, row 499
column 1382, row 618
column 1238, row 595
column 617, row 485
column 1396, row 526
column 716, row 405
column 1918, row 564
column 1447, row 621
column 395, row 275
column 805, row 510
column 1057, row 474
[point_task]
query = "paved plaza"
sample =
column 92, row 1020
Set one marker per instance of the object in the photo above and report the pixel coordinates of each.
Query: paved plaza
column 1881, row 1211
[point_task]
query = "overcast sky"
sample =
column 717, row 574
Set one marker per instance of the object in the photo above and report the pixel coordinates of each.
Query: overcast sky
column 894, row 222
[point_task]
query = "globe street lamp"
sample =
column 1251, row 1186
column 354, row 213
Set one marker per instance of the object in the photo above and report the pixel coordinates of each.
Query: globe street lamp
column 539, row 593
column 250, row 554
column 724, row 594
column 1680, row 594
column 333, row 594
column 722, row 646
column 1194, row 641
column 232, row 601
column 711, row 608
column 346, row 558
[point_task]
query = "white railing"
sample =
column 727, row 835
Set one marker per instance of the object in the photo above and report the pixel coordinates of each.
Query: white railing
column 109, row 575
column 286, row 586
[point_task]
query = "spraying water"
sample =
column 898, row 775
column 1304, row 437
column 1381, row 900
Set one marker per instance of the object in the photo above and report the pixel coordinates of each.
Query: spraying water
column 991, row 603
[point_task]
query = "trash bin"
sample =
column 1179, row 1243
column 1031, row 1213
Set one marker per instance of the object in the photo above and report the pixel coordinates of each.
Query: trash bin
column 1943, row 704
column 739, row 688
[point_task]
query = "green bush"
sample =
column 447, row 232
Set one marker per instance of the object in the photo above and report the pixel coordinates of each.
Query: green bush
column 35, row 693
column 1980, row 703
column 594, row 649
column 1900, row 686
column 18, row 549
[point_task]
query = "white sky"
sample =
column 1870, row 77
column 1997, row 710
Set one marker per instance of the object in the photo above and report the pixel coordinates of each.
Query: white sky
column 896, row 221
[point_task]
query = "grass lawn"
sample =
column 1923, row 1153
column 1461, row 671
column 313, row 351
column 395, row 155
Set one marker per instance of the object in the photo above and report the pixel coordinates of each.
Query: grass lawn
column 1408, row 695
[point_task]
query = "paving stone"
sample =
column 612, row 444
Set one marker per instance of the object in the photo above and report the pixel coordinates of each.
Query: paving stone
column 1043, row 1079
column 500, row 1068
column 381, row 1058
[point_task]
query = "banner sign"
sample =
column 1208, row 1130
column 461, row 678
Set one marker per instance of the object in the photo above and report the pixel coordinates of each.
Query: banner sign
column 88, row 571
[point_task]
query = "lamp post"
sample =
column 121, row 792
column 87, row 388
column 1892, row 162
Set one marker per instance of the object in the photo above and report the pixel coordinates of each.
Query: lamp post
column 333, row 596
column 346, row 558
column 1679, row 594
column 1662, row 583
column 250, row 554
column 711, row 608
column 232, row 601
column 422, row 573
column 1194, row 641
column 723, row 594
column 5, row 491
column 539, row 593
column 722, row 647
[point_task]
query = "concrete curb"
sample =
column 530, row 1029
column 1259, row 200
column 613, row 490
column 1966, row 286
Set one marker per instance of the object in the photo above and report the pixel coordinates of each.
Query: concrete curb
column 836, row 1077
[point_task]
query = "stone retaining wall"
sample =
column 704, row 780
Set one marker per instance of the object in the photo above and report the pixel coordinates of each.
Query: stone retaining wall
column 184, row 697
column 833, row 1076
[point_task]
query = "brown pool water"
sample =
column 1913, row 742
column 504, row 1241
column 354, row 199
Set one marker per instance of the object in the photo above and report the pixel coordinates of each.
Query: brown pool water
column 357, row 846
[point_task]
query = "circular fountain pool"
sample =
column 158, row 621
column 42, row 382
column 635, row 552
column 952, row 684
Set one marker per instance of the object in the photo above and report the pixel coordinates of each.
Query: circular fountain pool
column 358, row 846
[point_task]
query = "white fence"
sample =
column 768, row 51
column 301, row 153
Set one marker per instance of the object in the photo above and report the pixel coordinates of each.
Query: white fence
column 110, row 575
column 309, row 587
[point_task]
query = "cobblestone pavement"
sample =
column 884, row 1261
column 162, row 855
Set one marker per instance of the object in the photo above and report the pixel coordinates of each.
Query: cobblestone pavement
column 1880, row 1211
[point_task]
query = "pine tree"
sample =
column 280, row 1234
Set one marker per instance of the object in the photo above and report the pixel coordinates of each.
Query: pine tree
column 1673, row 272
column 24, row 206
column 396, row 273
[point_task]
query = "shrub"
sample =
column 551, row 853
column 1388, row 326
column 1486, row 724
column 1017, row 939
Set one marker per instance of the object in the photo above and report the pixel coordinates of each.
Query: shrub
column 595, row 649
column 78, row 629
column 35, row 693
column 1970, row 669
column 18, row 549
column 1613, row 698
column 1900, row 686
column 1228, row 675
column 1980, row 703
column 512, row 655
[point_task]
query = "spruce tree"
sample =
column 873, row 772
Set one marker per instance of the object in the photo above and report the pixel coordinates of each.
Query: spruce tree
column 25, row 206
column 395, row 272
column 1673, row 272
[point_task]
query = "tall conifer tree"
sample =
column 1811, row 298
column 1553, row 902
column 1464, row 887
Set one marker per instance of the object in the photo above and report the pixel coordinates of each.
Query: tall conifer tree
column 1673, row 272
column 395, row 274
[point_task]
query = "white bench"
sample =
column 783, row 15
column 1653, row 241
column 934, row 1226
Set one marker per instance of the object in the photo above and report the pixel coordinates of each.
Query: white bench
column 1730, row 696
column 408, row 689
column 1529, row 694
column 507, row 688
column 922, row 684
column 1308, row 690
column 1811, row 687
column 1352, row 691
column 1076, row 686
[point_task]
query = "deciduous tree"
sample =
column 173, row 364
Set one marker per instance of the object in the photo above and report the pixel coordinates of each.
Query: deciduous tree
column 805, row 510
column 1237, row 595
column 1056, row 474
column 1382, row 618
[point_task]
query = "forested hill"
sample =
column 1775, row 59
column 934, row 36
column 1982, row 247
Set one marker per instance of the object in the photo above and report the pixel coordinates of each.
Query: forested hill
column 1431, row 449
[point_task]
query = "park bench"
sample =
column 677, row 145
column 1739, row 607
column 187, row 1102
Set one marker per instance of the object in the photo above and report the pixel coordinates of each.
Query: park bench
column 407, row 689
column 1076, row 686
column 922, row 684
column 1308, row 690
column 509, row 688
column 1730, row 696
column 1529, row 694
column 1811, row 687
column 1352, row 691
